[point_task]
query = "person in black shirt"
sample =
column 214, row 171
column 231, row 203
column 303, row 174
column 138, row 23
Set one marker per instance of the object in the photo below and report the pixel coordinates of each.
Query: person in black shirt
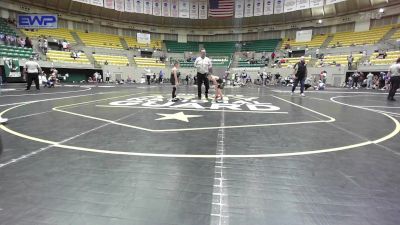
column 300, row 73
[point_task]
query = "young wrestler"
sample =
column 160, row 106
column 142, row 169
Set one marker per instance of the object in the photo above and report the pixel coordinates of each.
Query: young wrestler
column 218, row 85
column 174, row 80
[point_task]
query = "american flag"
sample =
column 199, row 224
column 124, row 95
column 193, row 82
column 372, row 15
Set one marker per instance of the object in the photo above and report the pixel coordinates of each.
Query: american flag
column 221, row 8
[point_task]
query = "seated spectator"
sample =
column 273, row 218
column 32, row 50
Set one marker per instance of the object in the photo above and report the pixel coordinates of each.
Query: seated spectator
column 74, row 55
column 64, row 45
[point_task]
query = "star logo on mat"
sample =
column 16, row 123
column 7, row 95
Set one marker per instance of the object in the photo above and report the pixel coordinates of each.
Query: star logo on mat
column 177, row 116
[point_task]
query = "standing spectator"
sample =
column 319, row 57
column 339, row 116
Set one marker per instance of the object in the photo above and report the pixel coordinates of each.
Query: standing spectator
column 204, row 67
column 32, row 69
column 108, row 75
column 369, row 80
column 355, row 76
column 323, row 76
column 350, row 60
column 317, row 53
column 148, row 75
column 28, row 42
column 160, row 77
column 300, row 74
column 290, row 52
column 273, row 55
column 45, row 45
column 394, row 72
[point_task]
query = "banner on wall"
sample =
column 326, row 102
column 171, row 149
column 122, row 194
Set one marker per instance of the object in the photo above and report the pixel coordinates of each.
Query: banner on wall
column 258, row 7
column 109, row 4
column 316, row 3
column 11, row 68
column 157, row 7
column 166, row 8
column 194, row 9
column 143, row 38
column 36, row 21
column 203, row 9
column 268, row 7
column 174, row 8
column 184, row 8
column 83, row 1
column 120, row 5
column 239, row 8
column 328, row 2
column 289, row 5
column 138, row 6
column 248, row 8
column 303, row 35
column 148, row 7
column 97, row 3
column 302, row 4
column 129, row 6
column 278, row 6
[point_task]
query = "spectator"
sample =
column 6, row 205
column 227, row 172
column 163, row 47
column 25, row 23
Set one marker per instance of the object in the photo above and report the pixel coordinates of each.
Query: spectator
column 355, row 76
column 28, row 42
column 160, row 77
column 45, row 45
column 350, row 60
column 369, row 80
column 108, row 75
column 64, row 45
column 106, row 62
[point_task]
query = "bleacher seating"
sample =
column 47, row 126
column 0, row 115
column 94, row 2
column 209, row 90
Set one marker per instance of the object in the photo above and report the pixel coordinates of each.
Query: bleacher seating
column 93, row 39
column 63, row 34
column 290, row 62
column 15, row 52
column 65, row 57
column 117, row 60
column 396, row 35
column 174, row 46
column 219, row 47
column 336, row 60
column 132, row 42
column 246, row 63
column 389, row 59
column 370, row 37
column 148, row 62
column 315, row 42
column 5, row 28
column 260, row 45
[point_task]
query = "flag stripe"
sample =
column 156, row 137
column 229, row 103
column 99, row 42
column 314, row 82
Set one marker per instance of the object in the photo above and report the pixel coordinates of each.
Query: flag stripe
column 221, row 8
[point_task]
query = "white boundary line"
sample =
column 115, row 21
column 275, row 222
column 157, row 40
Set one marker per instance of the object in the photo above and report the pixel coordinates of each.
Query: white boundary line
column 330, row 119
column 51, row 93
column 342, row 148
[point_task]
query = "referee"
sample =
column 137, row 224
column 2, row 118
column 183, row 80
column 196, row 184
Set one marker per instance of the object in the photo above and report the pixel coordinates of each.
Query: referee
column 203, row 66
column 32, row 69
column 394, row 71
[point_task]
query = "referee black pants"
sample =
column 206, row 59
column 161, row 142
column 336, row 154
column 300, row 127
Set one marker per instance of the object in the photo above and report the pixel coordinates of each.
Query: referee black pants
column 33, row 77
column 394, row 85
column 202, row 78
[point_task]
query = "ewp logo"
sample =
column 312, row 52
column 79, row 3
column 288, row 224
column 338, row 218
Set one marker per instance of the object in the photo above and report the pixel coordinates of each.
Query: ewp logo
column 33, row 21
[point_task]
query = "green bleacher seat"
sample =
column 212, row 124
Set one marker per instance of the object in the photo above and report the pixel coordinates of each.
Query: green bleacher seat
column 260, row 45
column 174, row 46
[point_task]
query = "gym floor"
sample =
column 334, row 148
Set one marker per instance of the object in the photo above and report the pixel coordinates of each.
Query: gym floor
column 127, row 155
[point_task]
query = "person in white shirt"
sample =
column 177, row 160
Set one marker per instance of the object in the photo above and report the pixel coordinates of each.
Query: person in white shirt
column 204, row 67
column 64, row 45
column 108, row 76
column 32, row 69
column 394, row 72
column 148, row 75
column 369, row 80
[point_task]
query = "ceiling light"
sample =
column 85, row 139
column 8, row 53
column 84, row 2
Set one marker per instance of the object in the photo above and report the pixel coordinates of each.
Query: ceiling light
column 381, row 10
